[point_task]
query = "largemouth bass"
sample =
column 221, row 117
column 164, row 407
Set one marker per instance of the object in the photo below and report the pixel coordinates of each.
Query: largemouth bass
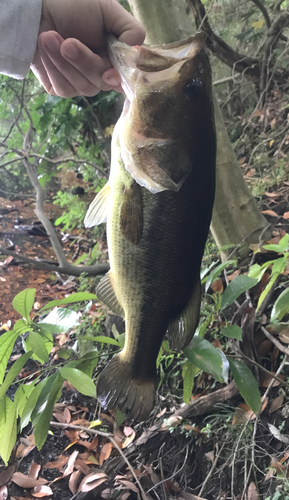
column 158, row 205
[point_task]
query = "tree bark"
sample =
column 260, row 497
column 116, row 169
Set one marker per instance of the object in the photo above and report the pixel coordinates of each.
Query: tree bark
column 236, row 217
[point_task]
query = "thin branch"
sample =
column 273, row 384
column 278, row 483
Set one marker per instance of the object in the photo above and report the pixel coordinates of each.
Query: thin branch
column 263, row 9
column 20, row 111
column 69, row 269
column 109, row 436
column 274, row 341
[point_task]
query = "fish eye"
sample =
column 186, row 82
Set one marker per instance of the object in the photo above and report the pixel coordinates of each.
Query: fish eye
column 191, row 87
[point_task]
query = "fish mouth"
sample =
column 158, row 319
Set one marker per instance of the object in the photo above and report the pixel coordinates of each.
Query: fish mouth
column 149, row 65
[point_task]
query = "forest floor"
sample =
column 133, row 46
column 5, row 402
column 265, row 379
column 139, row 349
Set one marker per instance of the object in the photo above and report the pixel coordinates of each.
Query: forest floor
column 215, row 448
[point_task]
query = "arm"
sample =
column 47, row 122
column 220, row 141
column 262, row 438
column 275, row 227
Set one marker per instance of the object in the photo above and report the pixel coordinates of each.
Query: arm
column 19, row 26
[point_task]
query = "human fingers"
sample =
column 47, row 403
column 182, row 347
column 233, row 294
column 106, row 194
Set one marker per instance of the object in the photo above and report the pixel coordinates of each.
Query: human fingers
column 65, row 79
column 121, row 23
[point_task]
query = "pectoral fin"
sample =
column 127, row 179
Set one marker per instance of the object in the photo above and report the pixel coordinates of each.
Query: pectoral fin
column 131, row 213
column 106, row 294
column 97, row 211
column 182, row 328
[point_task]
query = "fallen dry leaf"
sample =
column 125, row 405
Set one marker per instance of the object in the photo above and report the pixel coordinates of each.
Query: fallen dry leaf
column 161, row 412
column 234, row 275
column 284, row 336
column 42, row 491
column 286, row 215
column 277, row 434
column 73, row 481
column 128, row 484
column 217, row 286
column 105, row 452
column 58, row 464
column 273, row 194
column 34, row 470
column 82, row 466
column 3, row 493
column 26, row 445
column 270, row 212
column 276, row 404
column 27, row 482
column 128, row 440
column 94, row 443
column 6, row 475
column 92, row 481
column 269, row 474
column 210, row 456
column 252, row 492
column 70, row 463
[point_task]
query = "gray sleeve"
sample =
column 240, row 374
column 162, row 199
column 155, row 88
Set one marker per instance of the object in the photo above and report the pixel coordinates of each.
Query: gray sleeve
column 19, row 27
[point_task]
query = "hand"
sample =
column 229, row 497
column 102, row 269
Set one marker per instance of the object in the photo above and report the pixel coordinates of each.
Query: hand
column 71, row 56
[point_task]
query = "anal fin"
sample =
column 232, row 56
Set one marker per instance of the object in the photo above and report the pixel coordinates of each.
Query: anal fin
column 181, row 330
column 97, row 211
column 106, row 294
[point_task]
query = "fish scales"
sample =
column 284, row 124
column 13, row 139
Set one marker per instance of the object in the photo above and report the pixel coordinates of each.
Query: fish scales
column 157, row 225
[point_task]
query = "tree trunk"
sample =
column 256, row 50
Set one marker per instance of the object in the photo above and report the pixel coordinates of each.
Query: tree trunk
column 236, row 217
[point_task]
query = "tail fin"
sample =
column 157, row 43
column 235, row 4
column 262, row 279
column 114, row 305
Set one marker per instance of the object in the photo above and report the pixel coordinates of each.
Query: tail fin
column 117, row 388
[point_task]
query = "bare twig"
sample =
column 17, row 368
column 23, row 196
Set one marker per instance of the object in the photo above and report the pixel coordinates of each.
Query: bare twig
column 274, row 341
column 264, row 11
column 109, row 436
column 211, row 469
column 66, row 269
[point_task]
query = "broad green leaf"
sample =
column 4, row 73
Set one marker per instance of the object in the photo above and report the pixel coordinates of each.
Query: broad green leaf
column 45, row 386
column 202, row 354
column 13, row 372
column 205, row 271
column 238, row 286
column 60, row 320
column 30, row 404
column 23, row 302
column 281, row 306
column 216, row 272
column 7, row 341
column 75, row 297
column 22, row 395
column 88, row 363
column 79, row 380
column 81, row 259
column 189, row 372
column 247, row 384
column 8, row 428
column 103, row 340
column 120, row 418
column 274, row 248
column 21, row 326
column 37, row 344
column 257, row 271
column 232, row 331
column 42, row 426
column 267, row 289
column 284, row 242
column 279, row 265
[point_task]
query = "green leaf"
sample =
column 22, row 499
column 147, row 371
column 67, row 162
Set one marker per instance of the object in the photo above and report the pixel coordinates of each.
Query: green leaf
column 21, row 326
column 284, row 242
column 45, row 386
column 7, row 341
column 267, row 289
column 60, row 320
column 238, row 286
column 88, row 363
column 281, row 306
column 202, row 354
column 13, row 372
column 274, row 248
column 42, row 426
column 279, row 265
column 79, row 380
column 216, row 272
column 75, row 297
column 189, row 372
column 23, row 302
column 81, row 259
column 247, row 384
column 37, row 344
column 8, row 428
column 257, row 271
column 232, row 331
column 103, row 339
column 22, row 395
column 30, row 404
